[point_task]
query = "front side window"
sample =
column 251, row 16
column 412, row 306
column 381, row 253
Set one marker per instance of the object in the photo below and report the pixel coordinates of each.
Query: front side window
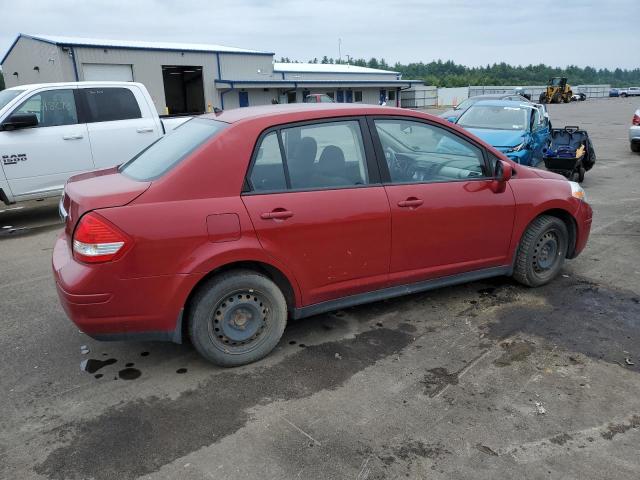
column 110, row 104
column 53, row 108
column 268, row 170
column 416, row 152
column 325, row 155
column 169, row 150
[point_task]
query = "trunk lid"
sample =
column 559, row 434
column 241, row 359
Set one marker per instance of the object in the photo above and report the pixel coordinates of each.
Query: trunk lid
column 95, row 190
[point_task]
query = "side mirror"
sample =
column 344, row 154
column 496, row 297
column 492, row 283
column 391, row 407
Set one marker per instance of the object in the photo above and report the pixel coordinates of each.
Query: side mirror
column 18, row 121
column 502, row 175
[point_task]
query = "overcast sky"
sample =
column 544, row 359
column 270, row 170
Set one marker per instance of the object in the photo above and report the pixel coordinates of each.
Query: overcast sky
column 602, row 33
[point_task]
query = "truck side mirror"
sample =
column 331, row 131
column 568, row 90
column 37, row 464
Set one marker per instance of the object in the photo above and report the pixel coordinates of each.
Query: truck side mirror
column 18, row 121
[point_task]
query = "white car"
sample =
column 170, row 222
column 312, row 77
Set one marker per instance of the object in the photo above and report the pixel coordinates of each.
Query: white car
column 579, row 97
column 634, row 132
column 630, row 92
column 50, row 132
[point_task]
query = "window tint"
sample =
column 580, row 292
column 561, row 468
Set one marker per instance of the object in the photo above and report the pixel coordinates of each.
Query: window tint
column 416, row 152
column 268, row 171
column 53, row 108
column 167, row 152
column 109, row 104
column 325, row 155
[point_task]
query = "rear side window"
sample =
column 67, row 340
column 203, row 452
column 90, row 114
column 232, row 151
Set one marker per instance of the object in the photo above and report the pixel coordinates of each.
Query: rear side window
column 268, row 170
column 109, row 104
column 53, row 108
column 167, row 152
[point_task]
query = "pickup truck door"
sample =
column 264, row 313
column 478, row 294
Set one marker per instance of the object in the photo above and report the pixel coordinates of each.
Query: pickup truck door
column 41, row 159
column 120, row 123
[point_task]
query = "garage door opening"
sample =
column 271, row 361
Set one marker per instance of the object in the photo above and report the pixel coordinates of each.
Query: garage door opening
column 183, row 89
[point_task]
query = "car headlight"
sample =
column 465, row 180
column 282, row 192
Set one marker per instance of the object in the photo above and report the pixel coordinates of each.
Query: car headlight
column 577, row 191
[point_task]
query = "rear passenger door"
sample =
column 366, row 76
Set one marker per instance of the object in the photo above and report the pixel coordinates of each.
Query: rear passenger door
column 118, row 127
column 314, row 197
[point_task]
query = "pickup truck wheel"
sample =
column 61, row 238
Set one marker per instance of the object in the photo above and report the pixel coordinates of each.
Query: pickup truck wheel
column 542, row 251
column 635, row 147
column 237, row 318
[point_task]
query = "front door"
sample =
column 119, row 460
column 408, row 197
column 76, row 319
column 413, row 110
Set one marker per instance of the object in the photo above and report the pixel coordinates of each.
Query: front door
column 446, row 218
column 41, row 159
column 325, row 218
column 349, row 96
column 243, row 98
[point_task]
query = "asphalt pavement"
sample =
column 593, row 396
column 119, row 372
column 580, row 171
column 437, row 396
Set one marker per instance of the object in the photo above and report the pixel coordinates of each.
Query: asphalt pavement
column 486, row 380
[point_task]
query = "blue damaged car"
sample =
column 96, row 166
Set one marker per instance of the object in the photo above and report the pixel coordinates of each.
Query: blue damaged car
column 520, row 130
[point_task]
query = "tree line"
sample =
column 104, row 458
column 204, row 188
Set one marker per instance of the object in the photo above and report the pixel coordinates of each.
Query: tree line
column 451, row 74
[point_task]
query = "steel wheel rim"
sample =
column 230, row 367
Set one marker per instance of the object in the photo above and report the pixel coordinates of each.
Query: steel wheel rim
column 547, row 252
column 239, row 320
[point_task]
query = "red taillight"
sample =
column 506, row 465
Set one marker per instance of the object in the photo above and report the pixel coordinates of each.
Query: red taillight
column 97, row 240
column 636, row 119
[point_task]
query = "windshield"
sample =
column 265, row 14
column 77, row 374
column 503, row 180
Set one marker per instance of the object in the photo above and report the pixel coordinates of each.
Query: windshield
column 495, row 117
column 466, row 104
column 167, row 152
column 7, row 95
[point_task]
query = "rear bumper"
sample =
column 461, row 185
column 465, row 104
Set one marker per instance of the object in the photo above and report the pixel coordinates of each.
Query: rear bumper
column 584, row 217
column 106, row 306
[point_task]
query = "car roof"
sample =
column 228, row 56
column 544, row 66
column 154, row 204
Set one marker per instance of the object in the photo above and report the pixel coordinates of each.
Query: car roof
column 503, row 103
column 108, row 83
column 494, row 95
column 304, row 110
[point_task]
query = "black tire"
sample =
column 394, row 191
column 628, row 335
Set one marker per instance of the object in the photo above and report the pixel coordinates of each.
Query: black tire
column 541, row 252
column 237, row 317
column 635, row 147
column 623, row 95
column 542, row 98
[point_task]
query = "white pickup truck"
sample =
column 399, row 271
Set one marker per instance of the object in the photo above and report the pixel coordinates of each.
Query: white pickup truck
column 50, row 132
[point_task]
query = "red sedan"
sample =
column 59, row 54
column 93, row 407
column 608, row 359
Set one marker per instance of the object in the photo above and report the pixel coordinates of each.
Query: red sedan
column 234, row 223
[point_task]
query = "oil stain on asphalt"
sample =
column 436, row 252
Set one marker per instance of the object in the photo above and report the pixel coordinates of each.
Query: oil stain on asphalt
column 132, row 437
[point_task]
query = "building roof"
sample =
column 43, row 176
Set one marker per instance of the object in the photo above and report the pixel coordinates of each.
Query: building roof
column 326, row 68
column 135, row 45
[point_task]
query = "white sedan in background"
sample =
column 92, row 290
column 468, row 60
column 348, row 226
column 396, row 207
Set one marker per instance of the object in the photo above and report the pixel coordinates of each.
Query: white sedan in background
column 634, row 132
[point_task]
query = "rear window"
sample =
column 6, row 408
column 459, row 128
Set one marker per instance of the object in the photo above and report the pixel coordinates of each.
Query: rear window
column 167, row 152
column 110, row 104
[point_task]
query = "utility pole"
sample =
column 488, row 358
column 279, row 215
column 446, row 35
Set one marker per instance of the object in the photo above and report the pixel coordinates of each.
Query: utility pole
column 339, row 50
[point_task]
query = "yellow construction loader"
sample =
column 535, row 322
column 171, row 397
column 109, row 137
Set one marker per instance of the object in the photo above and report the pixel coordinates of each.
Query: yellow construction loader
column 558, row 91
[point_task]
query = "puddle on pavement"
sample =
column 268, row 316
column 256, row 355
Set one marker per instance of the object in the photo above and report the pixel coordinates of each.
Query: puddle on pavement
column 92, row 365
column 129, row 373
column 181, row 370
column 144, row 354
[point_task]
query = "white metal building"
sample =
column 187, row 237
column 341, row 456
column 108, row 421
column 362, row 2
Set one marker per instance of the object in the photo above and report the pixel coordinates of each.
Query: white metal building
column 192, row 78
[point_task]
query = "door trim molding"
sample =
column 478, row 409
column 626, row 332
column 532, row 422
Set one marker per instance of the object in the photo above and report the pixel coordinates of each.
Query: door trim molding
column 400, row 290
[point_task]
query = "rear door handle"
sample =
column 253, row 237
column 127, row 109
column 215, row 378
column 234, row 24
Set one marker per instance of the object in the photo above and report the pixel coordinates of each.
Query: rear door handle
column 277, row 214
column 145, row 130
column 78, row 136
column 411, row 202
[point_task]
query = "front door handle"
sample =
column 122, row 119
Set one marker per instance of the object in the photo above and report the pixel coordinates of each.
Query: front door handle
column 145, row 130
column 411, row 202
column 78, row 136
column 277, row 214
